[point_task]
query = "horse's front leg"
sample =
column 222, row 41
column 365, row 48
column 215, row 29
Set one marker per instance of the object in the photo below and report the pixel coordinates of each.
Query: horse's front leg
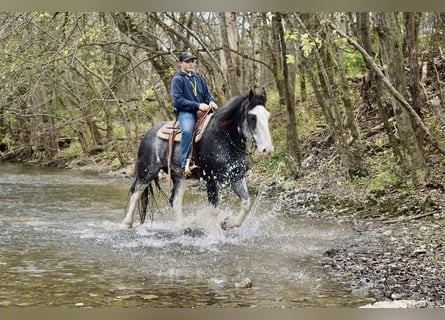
column 240, row 188
column 212, row 195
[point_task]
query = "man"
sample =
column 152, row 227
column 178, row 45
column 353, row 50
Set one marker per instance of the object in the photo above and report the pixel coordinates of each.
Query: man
column 190, row 94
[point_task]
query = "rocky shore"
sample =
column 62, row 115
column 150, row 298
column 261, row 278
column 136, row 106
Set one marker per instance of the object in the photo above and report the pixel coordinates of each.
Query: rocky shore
column 398, row 256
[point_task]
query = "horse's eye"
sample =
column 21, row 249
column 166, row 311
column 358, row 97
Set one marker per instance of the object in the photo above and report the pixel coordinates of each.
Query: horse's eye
column 252, row 121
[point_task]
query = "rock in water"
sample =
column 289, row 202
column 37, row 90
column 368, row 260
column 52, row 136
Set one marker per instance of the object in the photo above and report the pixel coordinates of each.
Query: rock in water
column 244, row 283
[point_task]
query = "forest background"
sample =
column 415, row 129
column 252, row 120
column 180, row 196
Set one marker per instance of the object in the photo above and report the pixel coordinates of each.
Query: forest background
column 357, row 98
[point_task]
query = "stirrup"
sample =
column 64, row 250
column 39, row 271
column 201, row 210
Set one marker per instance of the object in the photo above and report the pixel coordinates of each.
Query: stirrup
column 190, row 168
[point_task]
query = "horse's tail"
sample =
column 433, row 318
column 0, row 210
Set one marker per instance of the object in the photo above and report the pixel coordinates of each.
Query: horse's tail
column 147, row 199
column 143, row 203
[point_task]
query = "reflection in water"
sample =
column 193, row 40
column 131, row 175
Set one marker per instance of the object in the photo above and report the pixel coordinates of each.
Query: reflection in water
column 61, row 245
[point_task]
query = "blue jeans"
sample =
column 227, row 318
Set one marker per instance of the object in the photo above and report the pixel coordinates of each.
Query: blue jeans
column 186, row 124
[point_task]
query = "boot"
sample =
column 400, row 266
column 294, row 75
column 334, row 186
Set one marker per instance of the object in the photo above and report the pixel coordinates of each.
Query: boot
column 191, row 169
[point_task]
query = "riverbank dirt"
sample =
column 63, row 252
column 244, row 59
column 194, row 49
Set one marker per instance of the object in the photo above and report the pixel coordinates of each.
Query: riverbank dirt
column 398, row 256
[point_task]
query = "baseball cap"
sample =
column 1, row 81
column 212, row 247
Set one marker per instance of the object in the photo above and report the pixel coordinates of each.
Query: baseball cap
column 186, row 56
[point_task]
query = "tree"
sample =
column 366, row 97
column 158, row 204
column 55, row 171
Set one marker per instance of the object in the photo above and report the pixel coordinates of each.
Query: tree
column 416, row 99
column 229, row 43
column 373, row 90
column 393, row 91
column 346, row 140
column 412, row 160
column 293, row 151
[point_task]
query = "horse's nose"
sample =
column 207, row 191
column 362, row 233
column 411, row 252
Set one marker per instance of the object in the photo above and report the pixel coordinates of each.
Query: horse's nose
column 267, row 151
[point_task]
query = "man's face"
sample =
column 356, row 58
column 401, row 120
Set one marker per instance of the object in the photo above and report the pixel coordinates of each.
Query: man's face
column 188, row 65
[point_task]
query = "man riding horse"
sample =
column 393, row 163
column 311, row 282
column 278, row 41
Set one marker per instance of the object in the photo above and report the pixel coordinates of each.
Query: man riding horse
column 221, row 151
column 190, row 94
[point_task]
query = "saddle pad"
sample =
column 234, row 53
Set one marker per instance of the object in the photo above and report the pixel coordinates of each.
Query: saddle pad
column 173, row 126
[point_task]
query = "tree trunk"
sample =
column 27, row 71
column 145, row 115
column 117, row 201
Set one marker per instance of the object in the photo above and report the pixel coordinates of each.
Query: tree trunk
column 375, row 84
column 275, row 58
column 414, row 71
column 338, row 138
column 293, row 144
column 364, row 28
column 257, row 47
column 356, row 167
column 229, row 41
column 232, row 37
column 413, row 161
column 302, row 78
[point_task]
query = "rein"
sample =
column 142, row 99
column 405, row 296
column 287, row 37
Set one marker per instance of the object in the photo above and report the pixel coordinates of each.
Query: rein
column 240, row 149
column 253, row 142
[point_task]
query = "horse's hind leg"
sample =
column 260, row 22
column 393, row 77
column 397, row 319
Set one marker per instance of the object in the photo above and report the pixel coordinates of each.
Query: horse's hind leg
column 136, row 191
column 179, row 187
column 240, row 188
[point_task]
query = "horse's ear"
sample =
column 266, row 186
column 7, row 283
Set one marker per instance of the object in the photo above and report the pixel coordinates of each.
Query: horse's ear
column 250, row 95
column 264, row 94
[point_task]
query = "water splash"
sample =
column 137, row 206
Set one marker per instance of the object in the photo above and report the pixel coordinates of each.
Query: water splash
column 73, row 236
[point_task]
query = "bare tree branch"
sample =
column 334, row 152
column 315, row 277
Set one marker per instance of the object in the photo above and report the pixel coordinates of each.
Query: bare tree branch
column 396, row 94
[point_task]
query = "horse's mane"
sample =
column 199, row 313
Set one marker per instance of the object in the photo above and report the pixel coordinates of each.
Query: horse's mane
column 226, row 114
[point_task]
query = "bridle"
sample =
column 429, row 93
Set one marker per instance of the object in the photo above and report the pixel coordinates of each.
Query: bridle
column 243, row 137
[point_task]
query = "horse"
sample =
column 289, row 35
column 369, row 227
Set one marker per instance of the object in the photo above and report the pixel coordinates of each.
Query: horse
column 222, row 155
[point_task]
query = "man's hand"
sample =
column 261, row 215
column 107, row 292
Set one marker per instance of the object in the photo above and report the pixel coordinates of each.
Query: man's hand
column 213, row 105
column 203, row 107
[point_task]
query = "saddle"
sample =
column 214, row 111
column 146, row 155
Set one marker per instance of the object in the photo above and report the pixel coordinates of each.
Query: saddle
column 171, row 132
column 172, row 128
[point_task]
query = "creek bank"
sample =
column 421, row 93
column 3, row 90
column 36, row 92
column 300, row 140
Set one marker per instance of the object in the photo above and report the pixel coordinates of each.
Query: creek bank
column 398, row 256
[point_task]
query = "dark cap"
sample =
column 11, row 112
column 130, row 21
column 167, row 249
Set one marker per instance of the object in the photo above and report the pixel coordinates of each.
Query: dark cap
column 186, row 56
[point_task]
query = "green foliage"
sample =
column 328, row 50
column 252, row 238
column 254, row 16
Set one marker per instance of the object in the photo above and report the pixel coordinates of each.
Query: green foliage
column 353, row 62
column 119, row 132
column 382, row 180
column 108, row 154
column 149, row 93
column 308, row 43
column 274, row 165
column 291, row 34
column 290, row 59
column 74, row 151
column 384, row 174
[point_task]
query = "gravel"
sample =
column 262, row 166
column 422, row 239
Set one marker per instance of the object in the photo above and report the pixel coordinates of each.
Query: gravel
column 398, row 260
column 401, row 261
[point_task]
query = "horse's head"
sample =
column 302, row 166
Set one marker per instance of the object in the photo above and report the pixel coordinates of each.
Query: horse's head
column 256, row 126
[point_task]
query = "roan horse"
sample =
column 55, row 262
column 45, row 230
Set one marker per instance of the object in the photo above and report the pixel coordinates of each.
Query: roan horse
column 221, row 154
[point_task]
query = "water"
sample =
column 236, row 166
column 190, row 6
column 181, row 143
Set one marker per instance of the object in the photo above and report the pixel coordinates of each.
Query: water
column 61, row 245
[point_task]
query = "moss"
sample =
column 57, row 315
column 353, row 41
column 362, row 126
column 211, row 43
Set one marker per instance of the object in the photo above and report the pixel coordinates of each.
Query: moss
column 74, row 151
column 115, row 164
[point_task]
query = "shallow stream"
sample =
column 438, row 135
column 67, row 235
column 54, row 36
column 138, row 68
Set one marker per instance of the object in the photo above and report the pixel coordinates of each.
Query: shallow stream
column 61, row 245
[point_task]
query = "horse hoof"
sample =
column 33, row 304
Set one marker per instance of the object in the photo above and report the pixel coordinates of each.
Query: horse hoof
column 126, row 226
column 193, row 233
column 231, row 222
column 226, row 225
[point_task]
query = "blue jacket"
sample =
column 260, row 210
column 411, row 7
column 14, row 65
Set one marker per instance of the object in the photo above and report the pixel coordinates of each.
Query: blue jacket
column 182, row 92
